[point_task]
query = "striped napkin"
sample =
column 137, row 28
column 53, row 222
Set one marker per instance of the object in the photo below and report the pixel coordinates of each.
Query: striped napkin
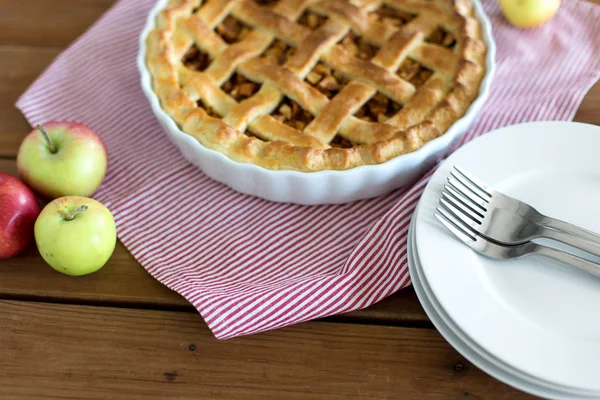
column 249, row 265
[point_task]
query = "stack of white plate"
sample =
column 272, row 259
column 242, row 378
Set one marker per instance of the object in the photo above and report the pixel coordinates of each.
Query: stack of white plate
column 532, row 323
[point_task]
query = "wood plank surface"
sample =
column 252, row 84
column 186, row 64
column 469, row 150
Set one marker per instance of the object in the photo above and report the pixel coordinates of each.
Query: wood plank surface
column 19, row 66
column 83, row 352
column 47, row 22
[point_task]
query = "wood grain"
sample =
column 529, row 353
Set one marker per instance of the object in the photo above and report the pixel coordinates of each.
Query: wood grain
column 19, row 66
column 97, row 352
column 47, row 23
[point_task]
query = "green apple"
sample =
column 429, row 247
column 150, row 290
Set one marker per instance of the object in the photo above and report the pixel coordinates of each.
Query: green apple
column 62, row 159
column 75, row 235
column 528, row 13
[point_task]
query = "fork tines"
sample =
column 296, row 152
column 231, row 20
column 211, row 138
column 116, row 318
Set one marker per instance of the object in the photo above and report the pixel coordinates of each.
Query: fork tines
column 464, row 202
column 469, row 179
column 446, row 218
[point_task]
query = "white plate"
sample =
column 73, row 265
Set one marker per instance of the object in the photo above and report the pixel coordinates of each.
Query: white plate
column 535, row 315
column 322, row 187
column 470, row 350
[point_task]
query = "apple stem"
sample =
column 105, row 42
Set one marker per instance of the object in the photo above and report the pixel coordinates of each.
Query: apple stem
column 71, row 215
column 45, row 134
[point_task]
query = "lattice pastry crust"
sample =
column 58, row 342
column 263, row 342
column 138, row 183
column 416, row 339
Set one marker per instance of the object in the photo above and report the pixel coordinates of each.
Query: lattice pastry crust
column 316, row 85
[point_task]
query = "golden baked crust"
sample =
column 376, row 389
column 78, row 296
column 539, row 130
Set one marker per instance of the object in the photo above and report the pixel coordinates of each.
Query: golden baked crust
column 316, row 85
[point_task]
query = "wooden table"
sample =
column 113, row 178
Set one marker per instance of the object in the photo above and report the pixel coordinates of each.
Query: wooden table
column 121, row 334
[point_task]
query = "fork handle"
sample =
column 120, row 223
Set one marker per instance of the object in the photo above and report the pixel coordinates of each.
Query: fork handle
column 570, row 259
column 572, row 235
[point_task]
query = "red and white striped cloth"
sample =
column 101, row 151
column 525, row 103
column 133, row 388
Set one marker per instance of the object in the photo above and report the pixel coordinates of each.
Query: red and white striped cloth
column 250, row 265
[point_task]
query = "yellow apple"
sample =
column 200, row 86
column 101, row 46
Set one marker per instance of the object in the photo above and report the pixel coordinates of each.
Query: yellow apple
column 75, row 235
column 529, row 13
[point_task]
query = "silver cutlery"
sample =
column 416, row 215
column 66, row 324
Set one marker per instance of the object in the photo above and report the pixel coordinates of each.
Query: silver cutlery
column 490, row 249
column 507, row 220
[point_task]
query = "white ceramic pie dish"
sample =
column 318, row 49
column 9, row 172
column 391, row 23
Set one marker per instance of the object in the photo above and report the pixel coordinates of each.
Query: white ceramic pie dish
column 321, row 187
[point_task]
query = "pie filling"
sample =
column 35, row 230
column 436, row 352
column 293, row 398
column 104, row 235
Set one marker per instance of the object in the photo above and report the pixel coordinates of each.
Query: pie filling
column 392, row 16
column 414, row 72
column 441, row 37
column 278, row 52
column 378, row 109
column 410, row 70
column 290, row 113
column 267, row 3
column 207, row 108
column 358, row 46
column 339, row 141
column 312, row 20
column 239, row 87
column 196, row 59
column 327, row 81
column 232, row 30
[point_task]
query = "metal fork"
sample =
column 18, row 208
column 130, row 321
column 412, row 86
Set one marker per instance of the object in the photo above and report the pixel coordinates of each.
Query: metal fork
column 496, row 251
column 507, row 220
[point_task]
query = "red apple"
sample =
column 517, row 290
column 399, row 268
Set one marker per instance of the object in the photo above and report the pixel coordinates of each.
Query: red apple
column 19, row 209
column 62, row 158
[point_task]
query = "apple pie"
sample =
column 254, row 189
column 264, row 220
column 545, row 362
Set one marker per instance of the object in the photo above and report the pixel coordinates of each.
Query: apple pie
column 316, row 85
